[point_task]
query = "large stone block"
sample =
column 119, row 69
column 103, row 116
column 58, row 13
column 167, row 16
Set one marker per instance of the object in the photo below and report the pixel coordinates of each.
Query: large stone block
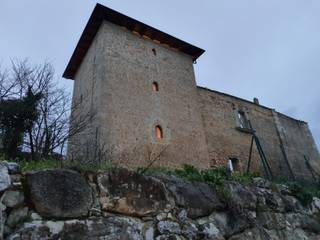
column 133, row 194
column 240, row 195
column 59, row 193
column 13, row 198
column 4, row 177
column 198, row 199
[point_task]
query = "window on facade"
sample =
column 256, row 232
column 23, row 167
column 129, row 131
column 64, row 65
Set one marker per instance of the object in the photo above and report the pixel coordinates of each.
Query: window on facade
column 155, row 87
column 243, row 121
column 234, row 164
column 159, row 133
column 154, row 52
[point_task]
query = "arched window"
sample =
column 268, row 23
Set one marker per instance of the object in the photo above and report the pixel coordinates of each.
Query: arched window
column 155, row 87
column 159, row 133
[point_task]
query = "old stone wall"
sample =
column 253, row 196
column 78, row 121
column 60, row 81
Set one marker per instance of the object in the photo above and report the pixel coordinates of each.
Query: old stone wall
column 299, row 146
column 226, row 140
column 119, row 204
column 130, row 109
column 199, row 127
column 86, row 104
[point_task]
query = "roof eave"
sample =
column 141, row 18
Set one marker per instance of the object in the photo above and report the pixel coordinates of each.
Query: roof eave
column 101, row 13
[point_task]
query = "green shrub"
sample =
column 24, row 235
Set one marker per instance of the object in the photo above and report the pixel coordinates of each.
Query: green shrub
column 88, row 168
column 214, row 176
column 304, row 192
column 52, row 163
column 154, row 171
column 38, row 164
column 190, row 173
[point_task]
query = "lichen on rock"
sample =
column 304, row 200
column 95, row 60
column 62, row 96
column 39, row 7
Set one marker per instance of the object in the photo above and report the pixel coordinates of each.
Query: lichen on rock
column 121, row 204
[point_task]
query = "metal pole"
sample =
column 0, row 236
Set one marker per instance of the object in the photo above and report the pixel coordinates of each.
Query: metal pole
column 250, row 155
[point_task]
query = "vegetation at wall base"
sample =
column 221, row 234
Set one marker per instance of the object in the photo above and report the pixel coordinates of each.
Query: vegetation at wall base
column 51, row 163
column 304, row 191
column 214, row 176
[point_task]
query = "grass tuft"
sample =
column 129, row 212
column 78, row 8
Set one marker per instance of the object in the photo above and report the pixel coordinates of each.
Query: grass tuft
column 210, row 176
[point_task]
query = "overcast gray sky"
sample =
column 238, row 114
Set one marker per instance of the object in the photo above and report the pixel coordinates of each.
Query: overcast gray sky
column 265, row 49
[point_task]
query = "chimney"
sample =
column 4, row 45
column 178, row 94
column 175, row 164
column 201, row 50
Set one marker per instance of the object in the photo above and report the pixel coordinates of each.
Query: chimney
column 256, row 101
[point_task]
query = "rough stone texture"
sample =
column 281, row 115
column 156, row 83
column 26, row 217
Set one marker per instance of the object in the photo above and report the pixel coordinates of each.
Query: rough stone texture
column 13, row 198
column 59, row 193
column 315, row 206
column 129, row 193
column 16, row 216
column 12, row 167
column 170, row 237
column 118, row 67
column 168, row 227
column 241, row 196
column 200, row 126
column 277, row 216
column 298, row 142
column 111, row 228
column 224, row 139
column 198, row 199
column 210, row 231
column 5, row 180
column 86, row 98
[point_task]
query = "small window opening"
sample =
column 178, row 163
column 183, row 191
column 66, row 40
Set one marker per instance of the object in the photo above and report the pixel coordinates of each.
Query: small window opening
column 243, row 121
column 154, row 52
column 234, row 165
column 81, row 98
column 155, row 87
column 159, row 133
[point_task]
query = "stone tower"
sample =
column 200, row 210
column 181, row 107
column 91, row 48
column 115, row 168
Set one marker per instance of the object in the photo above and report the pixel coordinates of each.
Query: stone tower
column 137, row 104
column 139, row 84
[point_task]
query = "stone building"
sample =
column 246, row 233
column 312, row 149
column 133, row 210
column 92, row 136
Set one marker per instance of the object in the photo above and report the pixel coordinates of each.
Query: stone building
column 138, row 86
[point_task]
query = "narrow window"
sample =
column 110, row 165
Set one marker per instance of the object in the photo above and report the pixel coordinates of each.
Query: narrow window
column 154, row 52
column 243, row 121
column 159, row 133
column 155, row 87
column 234, row 164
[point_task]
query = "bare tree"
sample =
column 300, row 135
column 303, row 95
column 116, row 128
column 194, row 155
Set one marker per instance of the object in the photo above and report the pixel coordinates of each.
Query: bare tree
column 53, row 127
column 154, row 154
column 5, row 85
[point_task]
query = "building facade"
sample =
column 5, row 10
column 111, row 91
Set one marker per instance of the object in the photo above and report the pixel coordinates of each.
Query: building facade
column 138, row 87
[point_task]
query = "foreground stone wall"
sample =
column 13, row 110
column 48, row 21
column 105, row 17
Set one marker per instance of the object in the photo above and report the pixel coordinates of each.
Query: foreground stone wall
column 119, row 204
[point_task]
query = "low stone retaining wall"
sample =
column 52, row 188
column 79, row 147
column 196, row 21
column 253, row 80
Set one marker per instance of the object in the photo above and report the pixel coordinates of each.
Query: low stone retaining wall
column 119, row 204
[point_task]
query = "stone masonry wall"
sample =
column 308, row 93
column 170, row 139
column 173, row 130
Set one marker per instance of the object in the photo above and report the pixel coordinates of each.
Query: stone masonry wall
column 86, row 103
column 225, row 140
column 122, row 205
column 130, row 109
column 299, row 145
column 114, row 84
